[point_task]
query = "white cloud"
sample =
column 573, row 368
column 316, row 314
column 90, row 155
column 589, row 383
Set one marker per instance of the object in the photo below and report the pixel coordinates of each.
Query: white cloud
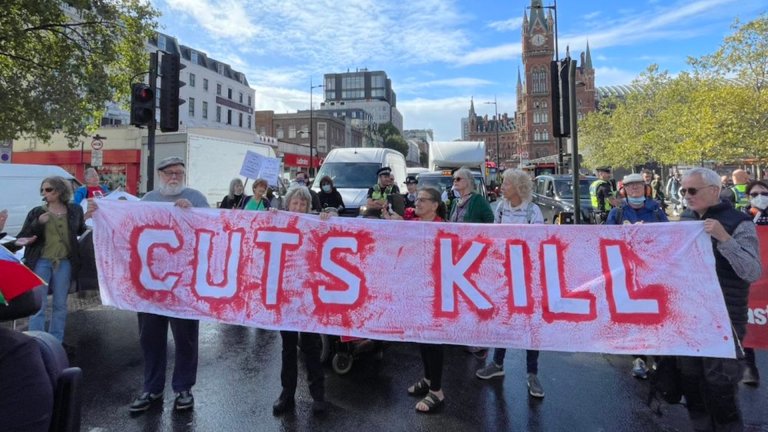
column 492, row 54
column 507, row 25
column 227, row 19
column 591, row 15
column 443, row 83
column 608, row 76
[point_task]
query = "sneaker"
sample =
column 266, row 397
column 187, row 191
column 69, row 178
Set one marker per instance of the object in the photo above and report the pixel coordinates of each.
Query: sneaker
column 144, row 401
column 639, row 369
column 489, row 371
column 478, row 352
column 534, row 386
column 751, row 376
column 184, row 401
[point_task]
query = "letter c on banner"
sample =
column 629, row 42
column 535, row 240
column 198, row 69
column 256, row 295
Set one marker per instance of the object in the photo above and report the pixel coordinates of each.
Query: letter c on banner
column 153, row 238
column 352, row 293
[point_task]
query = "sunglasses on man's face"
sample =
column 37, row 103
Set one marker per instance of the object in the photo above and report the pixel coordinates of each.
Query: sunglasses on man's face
column 48, row 189
column 693, row 191
column 757, row 194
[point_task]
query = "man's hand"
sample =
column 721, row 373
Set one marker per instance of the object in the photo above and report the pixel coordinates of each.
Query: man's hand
column 183, row 203
column 715, row 229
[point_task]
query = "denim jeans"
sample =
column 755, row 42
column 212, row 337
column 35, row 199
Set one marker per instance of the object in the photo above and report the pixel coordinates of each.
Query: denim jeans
column 531, row 359
column 58, row 280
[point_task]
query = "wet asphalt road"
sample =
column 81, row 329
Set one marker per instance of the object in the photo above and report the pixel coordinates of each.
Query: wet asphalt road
column 238, row 380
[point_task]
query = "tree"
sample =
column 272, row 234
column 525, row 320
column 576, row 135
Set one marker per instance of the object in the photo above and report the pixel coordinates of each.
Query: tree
column 61, row 62
column 392, row 138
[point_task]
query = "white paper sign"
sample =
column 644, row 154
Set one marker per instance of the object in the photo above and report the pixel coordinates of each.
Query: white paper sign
column 258, row 166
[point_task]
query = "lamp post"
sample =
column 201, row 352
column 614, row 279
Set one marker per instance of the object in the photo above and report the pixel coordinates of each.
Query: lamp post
column 311, row 126
column 496, row 115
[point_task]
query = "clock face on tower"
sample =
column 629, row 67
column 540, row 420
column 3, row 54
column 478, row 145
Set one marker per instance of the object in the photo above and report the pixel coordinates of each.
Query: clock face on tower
column 538, row 39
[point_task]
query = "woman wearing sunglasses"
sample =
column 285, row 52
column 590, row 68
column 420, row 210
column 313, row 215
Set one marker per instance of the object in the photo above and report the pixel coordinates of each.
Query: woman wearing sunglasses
column 49, row 235
column 757, row 191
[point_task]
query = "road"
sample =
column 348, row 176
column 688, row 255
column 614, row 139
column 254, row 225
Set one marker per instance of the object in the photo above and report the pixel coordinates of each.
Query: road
column 238, row 380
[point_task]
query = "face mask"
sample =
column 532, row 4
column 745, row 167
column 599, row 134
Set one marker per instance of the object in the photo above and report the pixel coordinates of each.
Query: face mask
column 637, row 202
column 300, row 182
column 760, row 202
column 327, row 188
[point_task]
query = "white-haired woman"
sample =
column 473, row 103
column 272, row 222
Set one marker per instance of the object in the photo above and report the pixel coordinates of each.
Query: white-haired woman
column 299, row 200
column 236, row 196
column 91, row 188
column 516, row 207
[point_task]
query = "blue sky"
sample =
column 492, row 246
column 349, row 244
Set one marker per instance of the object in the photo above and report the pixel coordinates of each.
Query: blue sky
column 439, row 53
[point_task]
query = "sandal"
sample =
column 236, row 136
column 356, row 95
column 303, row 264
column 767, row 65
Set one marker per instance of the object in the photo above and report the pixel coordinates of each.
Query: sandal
column 421, row 388
column 432, row 402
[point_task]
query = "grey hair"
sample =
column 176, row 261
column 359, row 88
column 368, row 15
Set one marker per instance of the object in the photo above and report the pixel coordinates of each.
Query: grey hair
column 521, row 181
column 709, row 177
column 91, row 171
column 300, row 192
column 466, row 174
column 232, row 185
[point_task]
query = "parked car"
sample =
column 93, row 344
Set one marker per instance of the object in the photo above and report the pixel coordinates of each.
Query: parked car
column 554, row 195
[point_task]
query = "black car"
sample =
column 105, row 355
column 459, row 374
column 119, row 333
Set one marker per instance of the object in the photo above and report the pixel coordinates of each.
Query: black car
column 554, row 195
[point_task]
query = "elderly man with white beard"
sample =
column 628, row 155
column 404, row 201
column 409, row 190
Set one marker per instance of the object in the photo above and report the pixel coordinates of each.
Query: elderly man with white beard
column 153, row 329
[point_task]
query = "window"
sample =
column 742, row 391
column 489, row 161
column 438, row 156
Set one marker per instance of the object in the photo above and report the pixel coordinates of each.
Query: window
column 205, row 109
column 249, row 100
column 191, row 107
column 249, row 122
column 218, row 114
column 229, row 116
column 193, row 57
column 241, row 97
column 229, row 93
column 279, row 132
column 205, row 84
column 191, row 80
column 240, row 120
column 539, row 80
column 161, row 42
column 218, row 89
column 292, row 131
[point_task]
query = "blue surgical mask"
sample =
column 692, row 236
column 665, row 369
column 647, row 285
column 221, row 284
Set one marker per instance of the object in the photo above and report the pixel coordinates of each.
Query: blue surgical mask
column 327, row 188
column 636, row 202
column 300, row 182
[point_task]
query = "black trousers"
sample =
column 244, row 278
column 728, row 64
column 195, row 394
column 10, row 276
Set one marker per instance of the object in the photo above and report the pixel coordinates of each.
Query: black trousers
column 153, row 337
column 311, row 346
column 432, row 356
column 710, row 386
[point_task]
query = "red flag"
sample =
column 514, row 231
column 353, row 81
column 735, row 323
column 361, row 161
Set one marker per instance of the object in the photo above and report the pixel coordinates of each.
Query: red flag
column 16, row 277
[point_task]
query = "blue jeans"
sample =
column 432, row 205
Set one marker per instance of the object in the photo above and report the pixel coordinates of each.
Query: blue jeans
column 531, row 359
column 58, row 280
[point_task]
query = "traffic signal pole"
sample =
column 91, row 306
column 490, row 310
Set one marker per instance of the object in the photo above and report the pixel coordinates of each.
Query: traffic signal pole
column 152, row 124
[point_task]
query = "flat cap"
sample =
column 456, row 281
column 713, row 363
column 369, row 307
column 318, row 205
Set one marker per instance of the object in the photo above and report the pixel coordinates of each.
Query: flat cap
column 633, row 178
column 384, row 171
column 170, row 161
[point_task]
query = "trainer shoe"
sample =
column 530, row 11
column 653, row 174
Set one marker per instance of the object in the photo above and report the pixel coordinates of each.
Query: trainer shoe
column 639, row 369
column 184, row 401
column 489, row 371
column 144, row 401
column 534, row 386
column 751, row 376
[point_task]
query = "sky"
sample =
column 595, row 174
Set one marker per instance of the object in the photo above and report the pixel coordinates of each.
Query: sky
column 439, row 54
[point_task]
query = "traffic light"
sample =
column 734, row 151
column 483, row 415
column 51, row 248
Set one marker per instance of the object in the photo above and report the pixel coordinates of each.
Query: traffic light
column 142, row 104
column 169, row 92
column 561, row 113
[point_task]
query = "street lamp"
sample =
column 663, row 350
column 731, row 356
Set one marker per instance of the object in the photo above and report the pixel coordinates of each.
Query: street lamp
column 496, row 111
column 311, row 126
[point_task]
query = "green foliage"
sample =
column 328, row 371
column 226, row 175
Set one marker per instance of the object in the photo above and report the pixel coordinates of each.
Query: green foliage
column 61, row 62
column 693, row 117
column 392, row 138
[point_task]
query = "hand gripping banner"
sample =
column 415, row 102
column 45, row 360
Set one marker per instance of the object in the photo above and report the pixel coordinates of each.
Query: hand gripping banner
column 623, row 289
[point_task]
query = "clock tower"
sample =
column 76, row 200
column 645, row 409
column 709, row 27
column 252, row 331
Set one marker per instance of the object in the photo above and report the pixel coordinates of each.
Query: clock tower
column 534, row 97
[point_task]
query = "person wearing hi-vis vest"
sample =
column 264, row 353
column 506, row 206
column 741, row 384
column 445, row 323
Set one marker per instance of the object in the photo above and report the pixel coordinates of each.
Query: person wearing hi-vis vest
column 737, row 194
column 383, row 195
column 601, row 194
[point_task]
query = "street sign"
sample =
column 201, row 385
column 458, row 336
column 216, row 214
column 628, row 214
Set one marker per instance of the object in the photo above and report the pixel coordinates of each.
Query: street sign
column 6, row 150
column 97, row 158
column 97, row 144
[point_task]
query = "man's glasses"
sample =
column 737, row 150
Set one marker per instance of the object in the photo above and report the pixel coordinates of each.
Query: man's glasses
column 692, row 191
column 757, row 194
column 48, row 189
column 178, row 174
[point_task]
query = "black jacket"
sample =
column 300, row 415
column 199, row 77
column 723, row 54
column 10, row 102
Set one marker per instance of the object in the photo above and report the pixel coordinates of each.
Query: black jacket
column 331, row 199
column 31, row 227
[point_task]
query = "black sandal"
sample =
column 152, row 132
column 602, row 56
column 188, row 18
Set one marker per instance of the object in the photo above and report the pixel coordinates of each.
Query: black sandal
column 421, row 388
column 432, row 402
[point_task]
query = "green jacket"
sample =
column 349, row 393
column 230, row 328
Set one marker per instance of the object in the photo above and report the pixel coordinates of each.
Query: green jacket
column 478, row 210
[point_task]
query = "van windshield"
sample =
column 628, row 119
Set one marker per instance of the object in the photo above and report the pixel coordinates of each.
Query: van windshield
column 348, row 175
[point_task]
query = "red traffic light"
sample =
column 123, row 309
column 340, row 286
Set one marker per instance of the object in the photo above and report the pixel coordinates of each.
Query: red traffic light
column 142, row 104
column 142, row 93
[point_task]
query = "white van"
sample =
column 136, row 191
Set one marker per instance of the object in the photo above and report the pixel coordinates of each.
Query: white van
column 20, row 186
column 353, row 171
